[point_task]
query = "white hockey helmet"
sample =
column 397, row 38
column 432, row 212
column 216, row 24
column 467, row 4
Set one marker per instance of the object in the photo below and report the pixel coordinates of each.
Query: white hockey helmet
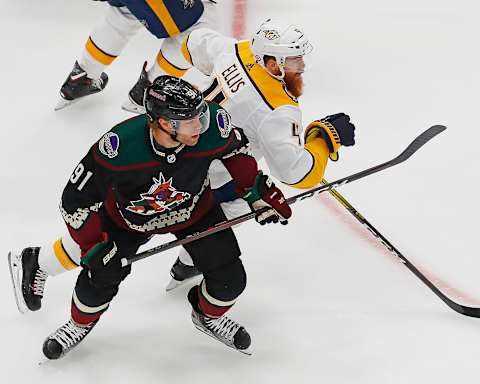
column 280, row 41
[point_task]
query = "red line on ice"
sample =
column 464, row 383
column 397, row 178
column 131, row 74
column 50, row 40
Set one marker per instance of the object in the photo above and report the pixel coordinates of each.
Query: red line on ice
column 353, row 224
column 239, row 19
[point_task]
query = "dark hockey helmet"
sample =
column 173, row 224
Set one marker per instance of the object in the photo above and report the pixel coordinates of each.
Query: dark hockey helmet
column 174, row 99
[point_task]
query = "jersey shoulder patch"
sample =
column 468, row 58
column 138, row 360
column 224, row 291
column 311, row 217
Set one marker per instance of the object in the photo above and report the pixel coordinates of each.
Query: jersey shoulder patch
column 109, row 144
column 224, row 123
column 125, row 144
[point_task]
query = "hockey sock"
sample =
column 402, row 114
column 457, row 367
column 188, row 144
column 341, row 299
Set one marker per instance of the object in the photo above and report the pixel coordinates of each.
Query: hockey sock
column 84, row 314
column 63, row 256
column 169, row 60
column 107, row 40
column 210, row 306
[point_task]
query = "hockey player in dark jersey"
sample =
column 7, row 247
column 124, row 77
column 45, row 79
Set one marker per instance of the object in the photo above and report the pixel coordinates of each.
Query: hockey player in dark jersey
column 149, row 175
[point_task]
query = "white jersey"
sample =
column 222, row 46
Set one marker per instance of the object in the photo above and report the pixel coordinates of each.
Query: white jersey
column 257, row 102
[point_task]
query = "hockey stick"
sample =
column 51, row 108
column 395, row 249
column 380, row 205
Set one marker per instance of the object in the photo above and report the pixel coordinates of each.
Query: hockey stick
column 414, row 146
column 462, row 309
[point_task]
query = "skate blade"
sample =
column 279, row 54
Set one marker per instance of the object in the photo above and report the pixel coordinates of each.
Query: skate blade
column 130, row 106
column 247, row 351
column 16, row 272
column 63, row 103
column 44, row 361
column 175, row 283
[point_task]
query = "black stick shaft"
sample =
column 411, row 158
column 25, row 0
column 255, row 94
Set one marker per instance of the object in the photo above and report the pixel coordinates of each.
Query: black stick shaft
column 414, row 146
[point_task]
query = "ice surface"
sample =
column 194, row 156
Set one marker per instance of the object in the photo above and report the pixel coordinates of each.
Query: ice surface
column 323, row 302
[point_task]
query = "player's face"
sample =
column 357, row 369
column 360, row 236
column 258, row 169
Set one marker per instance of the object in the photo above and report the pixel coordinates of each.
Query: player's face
column 188, row 131
column 294, row 68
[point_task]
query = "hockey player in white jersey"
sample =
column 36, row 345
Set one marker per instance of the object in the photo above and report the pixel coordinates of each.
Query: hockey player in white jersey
column 259, row 81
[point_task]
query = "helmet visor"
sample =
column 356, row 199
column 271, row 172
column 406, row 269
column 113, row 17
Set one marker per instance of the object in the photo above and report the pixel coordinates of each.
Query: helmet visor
column 194, row 126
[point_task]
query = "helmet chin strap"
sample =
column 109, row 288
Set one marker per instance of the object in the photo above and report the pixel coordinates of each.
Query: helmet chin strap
column 173, row 135
column 281, row 76
column 281, row 66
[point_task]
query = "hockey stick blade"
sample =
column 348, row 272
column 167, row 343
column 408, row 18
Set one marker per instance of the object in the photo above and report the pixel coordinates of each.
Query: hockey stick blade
column 414, row 146
column 462, row 309
column 419, row 142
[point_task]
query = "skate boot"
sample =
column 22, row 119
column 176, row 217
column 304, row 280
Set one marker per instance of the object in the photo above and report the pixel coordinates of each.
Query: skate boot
column 78, row 85
column 223, row 329
column 135, row 96
column 65, row 338
column 27, row 278
column 181, row 273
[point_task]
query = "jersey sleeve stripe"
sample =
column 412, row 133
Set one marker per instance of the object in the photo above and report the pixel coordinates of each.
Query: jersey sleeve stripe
column 169, row 67
column 185, row 52
column 126, row 167
column 212, row 151
column 210, row 89
column 319, row 151
column 161, row 11
column 99, row 55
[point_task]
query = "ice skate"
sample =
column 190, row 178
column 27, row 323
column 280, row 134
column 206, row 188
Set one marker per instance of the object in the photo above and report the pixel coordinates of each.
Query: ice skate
column 27, row 278
column 181, row 273
column 65, row 338
column 223, row 329
column 78, row 85
column 135, row 96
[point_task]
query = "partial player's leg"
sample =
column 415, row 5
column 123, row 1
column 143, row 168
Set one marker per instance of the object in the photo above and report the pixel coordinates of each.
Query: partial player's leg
column 27, row 278
column 30, row 268
column 182, row 270
column 218, row 257
column 170, row 61
column 224, row 191
column 97, row 284
column 91, row 297
column 102, row 47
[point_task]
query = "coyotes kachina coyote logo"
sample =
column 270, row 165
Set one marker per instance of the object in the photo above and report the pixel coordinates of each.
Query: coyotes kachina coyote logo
column 161, row 196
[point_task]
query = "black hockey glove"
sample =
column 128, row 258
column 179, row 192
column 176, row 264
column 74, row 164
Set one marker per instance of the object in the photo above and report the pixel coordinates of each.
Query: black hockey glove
column 265, row 194
column 101, row 255
column 336, row 130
